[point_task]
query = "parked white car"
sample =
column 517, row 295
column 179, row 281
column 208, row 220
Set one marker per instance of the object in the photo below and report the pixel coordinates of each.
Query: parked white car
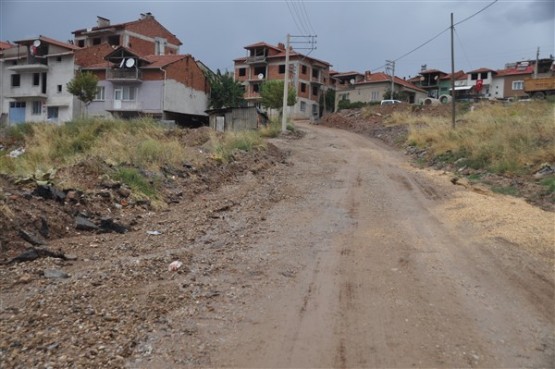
column 390, row 102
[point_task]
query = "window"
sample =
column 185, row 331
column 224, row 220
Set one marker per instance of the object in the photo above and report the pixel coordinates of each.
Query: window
column 303, row 87
column 484, row 75
column 314, row 109
column 281, row 68
column 128, row 93
column 59, row 59
column 375, row 96
column 518, row 85
column 99, row 94
column 59, row 88
column 242, row 72
column 315, row 90
column 37, row 108
column 81, row 43
column 260, row 70
column 474, row 76
column 159, row 46
column 315, row 73
column 304, row 69
column 17, row 104
column 303, row 106
column 52, row 113
column 96, row 41
column 113, row 40
column 16, row 80
column 256, row 87
column 36, row 79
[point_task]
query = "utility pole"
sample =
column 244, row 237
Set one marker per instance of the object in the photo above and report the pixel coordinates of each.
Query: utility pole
column 285, row 86
column 452, row 74
column 537, row 61
column 311, row 42
column 390, row 65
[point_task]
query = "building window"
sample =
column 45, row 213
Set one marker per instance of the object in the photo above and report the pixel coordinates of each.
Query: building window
column 159, row 46
column 36, row 79
column 260, row 70
column 304, row 69
column 242, row 72
column 129, row 93
column 474, row 76
column 96, row 41
column 315, row 90
column 59, row 59
column 518, row 85
column 484, row 75
column 99, row 94
column 37, row 108
column 81, row 43
column 59, row 88
column 303, row 106
column 315, row 73
column 16, row 80
column 314, row 109
column 281, row 68
column 113, row 40
column 256, row 88
column 52, row 113
column 303, row 87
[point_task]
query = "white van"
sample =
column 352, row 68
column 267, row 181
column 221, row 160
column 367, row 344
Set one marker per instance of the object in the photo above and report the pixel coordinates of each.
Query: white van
column 390, row 102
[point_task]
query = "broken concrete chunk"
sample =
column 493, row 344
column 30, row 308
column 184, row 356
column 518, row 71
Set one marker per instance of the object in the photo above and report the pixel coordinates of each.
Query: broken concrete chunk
column 31, row 238
column 83, row 224
column 55, row 274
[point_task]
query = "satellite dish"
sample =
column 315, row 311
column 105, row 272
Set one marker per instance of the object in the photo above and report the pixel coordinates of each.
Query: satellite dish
column 122, row 63
column 130, row 63
column 261, row 76
column 352, row 81
column 36, row 43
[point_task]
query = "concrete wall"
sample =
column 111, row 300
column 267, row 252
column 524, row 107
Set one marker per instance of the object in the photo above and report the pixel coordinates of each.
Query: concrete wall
column 184, row 99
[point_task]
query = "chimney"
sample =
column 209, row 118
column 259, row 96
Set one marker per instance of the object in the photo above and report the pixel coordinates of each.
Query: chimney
column 423, row 67
column 146, row 15
column 102, row 22
column 281, row 46
column 367, row 75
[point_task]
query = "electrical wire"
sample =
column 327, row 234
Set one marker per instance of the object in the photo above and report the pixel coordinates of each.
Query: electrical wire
column 463, row 51
column 293, row 16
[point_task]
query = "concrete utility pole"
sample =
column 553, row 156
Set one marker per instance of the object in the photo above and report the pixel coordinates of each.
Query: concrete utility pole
column 391, row 66
column 537, row 62
column 452, row 74
column 285, row 86
column 311, row 42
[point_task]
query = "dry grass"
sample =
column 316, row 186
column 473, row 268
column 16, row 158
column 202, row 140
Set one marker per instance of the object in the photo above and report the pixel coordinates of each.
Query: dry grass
column 500, row 138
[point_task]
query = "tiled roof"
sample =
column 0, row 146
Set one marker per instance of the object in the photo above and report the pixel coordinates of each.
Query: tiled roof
column 482, row 70
column 458, row 75
column 159, row 61
column 515, row 71
column 428, row 71
column 382, row 77
column 347, row 74
column 280, row 54
column 261, row 44
column 49, row 40
column 5, row 45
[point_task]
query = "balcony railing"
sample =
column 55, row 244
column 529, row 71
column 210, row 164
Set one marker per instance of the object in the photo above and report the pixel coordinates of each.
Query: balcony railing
column 256, row 59
column 124, row 74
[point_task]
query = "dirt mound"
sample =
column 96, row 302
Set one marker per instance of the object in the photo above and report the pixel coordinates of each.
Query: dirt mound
column 34, row 212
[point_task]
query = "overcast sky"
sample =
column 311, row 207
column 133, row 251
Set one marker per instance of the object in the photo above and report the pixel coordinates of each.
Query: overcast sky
column 352, row 35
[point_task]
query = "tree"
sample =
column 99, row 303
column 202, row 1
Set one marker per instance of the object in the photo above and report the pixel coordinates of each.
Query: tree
column 83, row 86
column 271, row 93
column 225, row 91
column 327, row 101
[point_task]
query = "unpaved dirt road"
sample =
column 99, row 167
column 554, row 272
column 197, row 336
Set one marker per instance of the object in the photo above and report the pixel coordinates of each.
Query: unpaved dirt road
column 347, row 257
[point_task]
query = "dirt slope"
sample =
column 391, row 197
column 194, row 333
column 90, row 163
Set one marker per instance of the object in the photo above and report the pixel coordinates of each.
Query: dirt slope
column 343, row 256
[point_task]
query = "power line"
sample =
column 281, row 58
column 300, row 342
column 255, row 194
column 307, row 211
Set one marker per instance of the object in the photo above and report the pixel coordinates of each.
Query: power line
column 445, row 30
column 307, row 17
column 293, row 16
column 462, row 48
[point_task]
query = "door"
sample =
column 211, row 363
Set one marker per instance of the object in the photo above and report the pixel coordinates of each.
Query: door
column 220, row 124
column 118, row 97
column 17, row 112
column 52, row 113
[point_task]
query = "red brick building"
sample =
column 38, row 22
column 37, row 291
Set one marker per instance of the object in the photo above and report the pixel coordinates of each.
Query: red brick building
column 264, row 62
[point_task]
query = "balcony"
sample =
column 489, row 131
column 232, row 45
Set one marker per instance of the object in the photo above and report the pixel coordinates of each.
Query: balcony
column 122, row 74
column 259, row 59
column 26, row 93
column 29, row 68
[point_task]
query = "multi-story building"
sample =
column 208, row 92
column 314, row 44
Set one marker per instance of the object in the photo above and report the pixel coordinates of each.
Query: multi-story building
column 141, row 72
column 309, row 76
column 34, row 74
column 138, row 65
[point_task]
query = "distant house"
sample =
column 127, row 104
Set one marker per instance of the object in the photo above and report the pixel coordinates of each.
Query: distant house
column 167, row 87
column 141, row 72
column 264, row 62
column 509, row 82
column 371, row 87
column 481, row 79
column 430, row 81
column 35, row 73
